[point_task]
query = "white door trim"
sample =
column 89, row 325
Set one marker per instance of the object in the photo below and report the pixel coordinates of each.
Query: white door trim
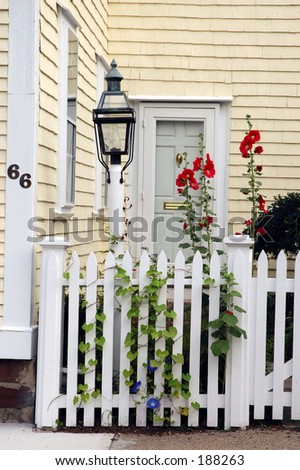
column 142, row 172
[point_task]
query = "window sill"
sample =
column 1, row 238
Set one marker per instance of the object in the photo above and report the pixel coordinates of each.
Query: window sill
column 62, row 214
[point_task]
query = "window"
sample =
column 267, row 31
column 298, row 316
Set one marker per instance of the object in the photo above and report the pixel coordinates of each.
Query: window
column 68, row 110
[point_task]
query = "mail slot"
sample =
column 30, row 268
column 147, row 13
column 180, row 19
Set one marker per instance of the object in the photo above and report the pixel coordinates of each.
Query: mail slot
column 173, row 206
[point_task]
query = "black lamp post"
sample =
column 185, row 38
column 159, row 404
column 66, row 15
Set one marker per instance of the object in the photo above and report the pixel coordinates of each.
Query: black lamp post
column 114, row 122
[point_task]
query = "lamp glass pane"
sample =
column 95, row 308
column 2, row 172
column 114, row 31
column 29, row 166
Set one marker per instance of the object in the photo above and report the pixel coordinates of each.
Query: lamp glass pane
column 114, row 101
column 114, row 136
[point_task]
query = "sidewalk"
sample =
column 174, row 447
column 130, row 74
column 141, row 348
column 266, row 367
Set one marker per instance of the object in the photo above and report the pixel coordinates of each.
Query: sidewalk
column 23, row 436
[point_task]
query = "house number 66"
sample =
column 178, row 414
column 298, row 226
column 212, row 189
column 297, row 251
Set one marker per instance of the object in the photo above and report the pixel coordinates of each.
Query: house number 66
column 13, row 173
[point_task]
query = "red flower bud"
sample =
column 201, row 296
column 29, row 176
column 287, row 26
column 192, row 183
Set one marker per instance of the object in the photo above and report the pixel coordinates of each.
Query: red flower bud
column 258, row 150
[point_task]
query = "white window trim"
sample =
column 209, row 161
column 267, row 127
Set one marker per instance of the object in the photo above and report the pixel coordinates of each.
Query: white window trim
column 66, row 22
column 99, row 207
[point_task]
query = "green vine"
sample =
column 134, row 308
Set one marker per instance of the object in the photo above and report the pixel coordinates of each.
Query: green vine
column 142, row 335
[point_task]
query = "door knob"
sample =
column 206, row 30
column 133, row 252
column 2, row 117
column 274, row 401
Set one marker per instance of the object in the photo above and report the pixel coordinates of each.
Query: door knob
column 179, row 159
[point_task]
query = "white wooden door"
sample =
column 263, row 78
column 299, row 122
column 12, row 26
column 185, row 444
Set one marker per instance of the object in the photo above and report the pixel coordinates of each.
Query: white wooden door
column 173, row 138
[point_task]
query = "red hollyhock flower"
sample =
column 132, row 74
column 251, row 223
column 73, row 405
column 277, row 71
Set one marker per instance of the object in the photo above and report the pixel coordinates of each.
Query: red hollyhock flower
column 194, row 185
column 209, row 167
column 186, row 177
column 206, row 221
column 197, row 164
column 183, row 178
column 261, row 231
column 248, row 223
column 229, row 312
column 262, row 203
column 246, row 146
column 254, row 135
column 185, row 226
column 259, row 168
column 258, row 150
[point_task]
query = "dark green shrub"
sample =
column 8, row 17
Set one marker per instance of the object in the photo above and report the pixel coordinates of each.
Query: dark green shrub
column 282, row 226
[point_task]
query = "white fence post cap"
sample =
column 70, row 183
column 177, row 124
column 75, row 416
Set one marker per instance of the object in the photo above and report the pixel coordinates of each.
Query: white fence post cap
column 54, row 242
column 241, row 240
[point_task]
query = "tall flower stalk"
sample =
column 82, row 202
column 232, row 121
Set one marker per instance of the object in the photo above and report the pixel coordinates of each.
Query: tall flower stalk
column 249, row 150
column 198, row 222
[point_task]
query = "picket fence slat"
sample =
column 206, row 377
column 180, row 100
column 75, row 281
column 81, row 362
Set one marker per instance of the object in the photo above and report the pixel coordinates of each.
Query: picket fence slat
column 195, row 335
column 160, row 345
column 260, row 323
column 247, row 382
column 141, row 410
column 90, row 356
column 123, row 419
column 178, row 324
column 72, row 354
column 295, row 413
column 108, row 333
column 279, row 336
column 239, row 365
column 213, row 361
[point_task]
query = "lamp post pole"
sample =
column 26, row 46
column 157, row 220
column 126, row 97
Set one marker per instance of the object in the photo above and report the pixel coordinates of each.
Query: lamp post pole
column 114, row 122
column 116, row 213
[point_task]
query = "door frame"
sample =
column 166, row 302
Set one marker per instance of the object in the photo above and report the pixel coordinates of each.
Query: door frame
column 142, row 173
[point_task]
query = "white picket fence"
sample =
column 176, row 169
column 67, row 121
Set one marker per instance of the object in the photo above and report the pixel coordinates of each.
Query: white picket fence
column 247, row 383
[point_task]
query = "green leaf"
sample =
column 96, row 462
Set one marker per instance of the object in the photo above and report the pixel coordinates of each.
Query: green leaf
column 174, row 383
column 129, row 341
column 178, row 358
column 92, row 362
column 215, row 324
column 128, row 383
column 235, row 293
column 132, row 355
column 195, row 405
column 127, row 373
column 219, row 347
column 154, row 363
column 184, row 245
column 75, row 400
column 85, row 397
column 101, row 317
column 186, row 377
column 96, row 393
column 237, row 332
column 209, row 281
column 87, row 327
column 245, row 190
column 133, row 312
column 121, row 291
column 83, row 387
column 239, row 309
column 99, row 341
column 185, row 394
column 170, row 314
column 167, row 376
column 172, row 332
column 84, row 369
column 229, row 319
column 162, row 354
column 83, row 347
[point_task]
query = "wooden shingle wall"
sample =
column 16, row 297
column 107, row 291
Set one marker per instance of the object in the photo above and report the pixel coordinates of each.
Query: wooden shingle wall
column 248, row 49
